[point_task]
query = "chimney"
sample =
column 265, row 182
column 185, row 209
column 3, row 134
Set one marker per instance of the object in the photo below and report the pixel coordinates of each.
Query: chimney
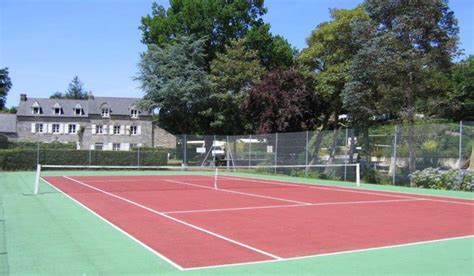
column 22, row 97
column 90, row 96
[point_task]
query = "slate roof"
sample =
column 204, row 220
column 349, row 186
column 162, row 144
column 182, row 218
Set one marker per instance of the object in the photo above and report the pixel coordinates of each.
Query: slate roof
column 118, row 106
column 7, row 123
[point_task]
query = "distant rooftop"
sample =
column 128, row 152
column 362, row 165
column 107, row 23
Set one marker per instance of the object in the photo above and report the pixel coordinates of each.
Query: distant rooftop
column 93, row 105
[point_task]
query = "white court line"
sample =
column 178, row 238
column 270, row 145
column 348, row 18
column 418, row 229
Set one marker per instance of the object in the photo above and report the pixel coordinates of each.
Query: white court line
column 241, row 193
column 350, row 190
column 177, row 220
column 117, row 228
column 290, row 206
column 332, row 254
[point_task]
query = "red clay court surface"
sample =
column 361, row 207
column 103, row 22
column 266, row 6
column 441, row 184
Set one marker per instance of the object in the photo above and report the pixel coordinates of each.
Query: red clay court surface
column 191, row 225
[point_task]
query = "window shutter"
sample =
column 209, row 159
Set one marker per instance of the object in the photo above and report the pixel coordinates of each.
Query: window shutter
column 93, row 129
column 125, row 146
column 122, row 130
column 111, row 129
column 104, row 129
column 61, row 129
column 128, row 130
column 33, row 127
column 111, row 145
column 139, row 130
column 91, row 147
column 50, row 128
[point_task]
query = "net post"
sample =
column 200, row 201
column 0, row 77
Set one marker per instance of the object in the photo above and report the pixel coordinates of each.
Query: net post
column 358, row 174
column 37, row 179
column 215, row 178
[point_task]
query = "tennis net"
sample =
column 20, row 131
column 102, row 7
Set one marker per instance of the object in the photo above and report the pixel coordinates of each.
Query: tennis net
column 157, row 178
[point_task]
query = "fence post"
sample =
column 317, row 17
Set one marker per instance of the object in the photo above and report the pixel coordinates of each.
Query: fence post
column 347, row 155
column 276, row 152
column 138, row 156
column 460, row 144
column 394, row 173
column 37, row 153
column 250, row 149
column 90, row 156
column 227, row 152
column 306, row 154
column 185, row 145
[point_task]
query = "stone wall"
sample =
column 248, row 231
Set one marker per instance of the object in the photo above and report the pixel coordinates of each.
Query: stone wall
column 163, row 139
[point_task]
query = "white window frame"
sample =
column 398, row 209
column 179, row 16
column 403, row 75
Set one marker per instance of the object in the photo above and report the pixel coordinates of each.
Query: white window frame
column 39, row 128
column 133, row 130
column 116, row 130
column 99, row 129
column 55, row 128
column 72, row 128
column 105, row 112
column 36, row 110
column 81, row 111
column 57, row 111
column 134, row 113
column 115, row 146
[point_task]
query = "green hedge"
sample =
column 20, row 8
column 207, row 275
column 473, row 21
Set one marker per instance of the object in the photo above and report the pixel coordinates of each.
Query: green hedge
column 25, row 159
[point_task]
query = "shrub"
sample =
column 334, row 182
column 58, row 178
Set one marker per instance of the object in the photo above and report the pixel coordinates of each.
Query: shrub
column 25, row 159
column 459, row 180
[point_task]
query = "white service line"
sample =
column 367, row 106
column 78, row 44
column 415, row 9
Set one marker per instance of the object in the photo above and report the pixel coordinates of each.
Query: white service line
column 116, row 227
column 294, row 205
column 241, row 193
column 351, row 190
column 334, row 253
column 178, row 220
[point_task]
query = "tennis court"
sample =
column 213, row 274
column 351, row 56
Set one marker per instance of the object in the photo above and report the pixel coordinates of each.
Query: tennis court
column 196, row 220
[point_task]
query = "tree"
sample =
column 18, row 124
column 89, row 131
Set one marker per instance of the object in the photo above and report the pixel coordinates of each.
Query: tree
column 407, row 39
column 219, row 21
column 274, row 51
column 57, row 95
column 327, row 60
column 5, row 86
column 233, row 74
column 174, row 80
column 75, row 90
column 459, row 101
column 282, row 102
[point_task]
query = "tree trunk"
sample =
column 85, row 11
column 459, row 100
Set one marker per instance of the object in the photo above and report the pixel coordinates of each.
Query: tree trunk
column 319, row 140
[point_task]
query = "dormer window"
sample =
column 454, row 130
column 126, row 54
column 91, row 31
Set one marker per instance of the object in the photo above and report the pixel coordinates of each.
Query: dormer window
column 105, row 110
column 57, row 110
column 134, row 113
column 78, row 110
column 35, row 108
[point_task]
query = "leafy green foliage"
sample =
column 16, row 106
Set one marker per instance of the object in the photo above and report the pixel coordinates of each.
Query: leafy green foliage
column 25, row 159
column 175, row 81
column 458, row 180
column 5, row 86
column 282, row 102
column 459, row 103
column 75, row 91
column 219, row 21
column 329, row 54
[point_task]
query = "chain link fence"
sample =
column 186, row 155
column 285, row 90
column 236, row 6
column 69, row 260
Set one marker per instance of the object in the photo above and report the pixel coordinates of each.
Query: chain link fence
column 445, row 146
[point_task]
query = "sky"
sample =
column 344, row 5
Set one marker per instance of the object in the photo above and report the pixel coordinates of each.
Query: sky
column 45, row 43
